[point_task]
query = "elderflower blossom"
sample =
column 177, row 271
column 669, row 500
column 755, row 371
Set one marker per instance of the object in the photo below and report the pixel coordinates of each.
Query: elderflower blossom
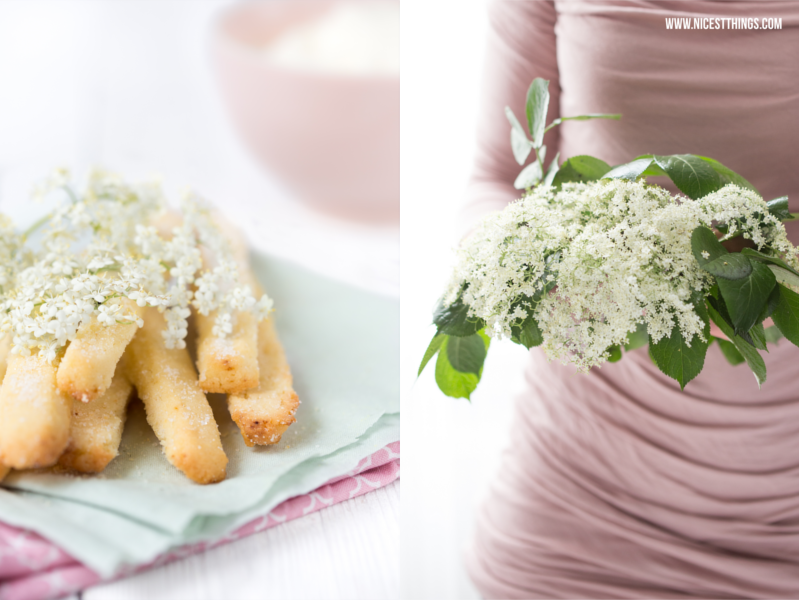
column 99, row 256
column 617, row 253
column 13, row 255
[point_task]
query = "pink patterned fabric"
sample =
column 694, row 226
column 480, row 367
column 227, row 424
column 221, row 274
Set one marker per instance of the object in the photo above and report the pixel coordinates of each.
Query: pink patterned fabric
column 31, row 568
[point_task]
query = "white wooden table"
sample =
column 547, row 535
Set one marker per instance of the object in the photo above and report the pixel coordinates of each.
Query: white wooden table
column 349, row 550
column 127, row 85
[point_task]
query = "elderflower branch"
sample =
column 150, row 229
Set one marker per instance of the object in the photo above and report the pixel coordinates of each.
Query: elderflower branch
column 619, row 253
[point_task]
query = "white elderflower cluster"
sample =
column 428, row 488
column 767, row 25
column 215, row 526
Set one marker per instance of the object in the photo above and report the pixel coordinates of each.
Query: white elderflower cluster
column 619, row 253
column 98, row 251
column 13, row 255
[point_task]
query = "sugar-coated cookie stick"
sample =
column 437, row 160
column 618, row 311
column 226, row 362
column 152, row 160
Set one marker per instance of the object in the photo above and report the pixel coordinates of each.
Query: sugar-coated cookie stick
column 5, row 348
column 228, row 365
column 96, row 428
column 264, row 414
column 91, row 358
column 176, row 407
column 34, row 415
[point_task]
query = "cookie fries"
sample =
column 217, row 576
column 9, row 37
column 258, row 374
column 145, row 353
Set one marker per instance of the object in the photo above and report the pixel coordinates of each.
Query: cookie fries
column 227, row 365
column 34, row 415
column 91, row 358
column 5, row 347
column 264, row 414
column 97, row 426
column 176, row 407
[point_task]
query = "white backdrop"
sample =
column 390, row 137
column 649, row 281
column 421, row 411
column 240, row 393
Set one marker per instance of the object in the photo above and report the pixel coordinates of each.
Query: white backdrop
column 450, row 447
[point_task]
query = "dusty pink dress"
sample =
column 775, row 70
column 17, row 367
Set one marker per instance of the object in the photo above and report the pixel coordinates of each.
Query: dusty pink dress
column 616, row 484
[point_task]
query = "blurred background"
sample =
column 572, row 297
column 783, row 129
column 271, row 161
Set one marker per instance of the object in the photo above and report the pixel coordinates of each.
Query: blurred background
column 451, row 448
column 285, row 115
column 268, row 109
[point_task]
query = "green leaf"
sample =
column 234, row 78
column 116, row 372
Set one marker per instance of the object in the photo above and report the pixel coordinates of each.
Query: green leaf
column 759, row 256
column 466, row 354
column 530, row 176
column 551, row 171
column 773, row 334
column 432, row 349
column 729, row 266
column 786, row 315
column 638, row 338
column 484, row 336
column 693, row 176
column 631, row 170
column 514, row 122
column 537, row 106
column 745, row 298
column 580, row 169
column 454, row 319
column 451, row 382
column 528, row 334
column 730, row 352
column 614, row 354
column 519, row 143
column 779, row 208
column 771, row 304
column 698, row 300
column 758, row 336
column 727, row 175
column 721, row 308
column 784, row 272
column 704, row 240
column 783, row 276
column 675, row 358
column 653, row 169
column 560, row 120
column 749, row 352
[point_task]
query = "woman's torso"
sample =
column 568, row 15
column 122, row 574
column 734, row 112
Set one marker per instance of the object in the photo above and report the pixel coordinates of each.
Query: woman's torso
column 617, row 484
column 731, row 94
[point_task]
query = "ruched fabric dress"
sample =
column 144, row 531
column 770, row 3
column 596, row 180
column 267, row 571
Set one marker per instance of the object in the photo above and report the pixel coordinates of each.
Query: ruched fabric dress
column 616, row 484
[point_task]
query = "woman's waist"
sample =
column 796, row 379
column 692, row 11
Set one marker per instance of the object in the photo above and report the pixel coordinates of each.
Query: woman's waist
column 626, row 429
column 722, row 394
column 658, row 507
column 710, row 474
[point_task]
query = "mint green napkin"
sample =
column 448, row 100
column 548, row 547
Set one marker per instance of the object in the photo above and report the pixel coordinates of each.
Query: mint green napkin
column 342, row 344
